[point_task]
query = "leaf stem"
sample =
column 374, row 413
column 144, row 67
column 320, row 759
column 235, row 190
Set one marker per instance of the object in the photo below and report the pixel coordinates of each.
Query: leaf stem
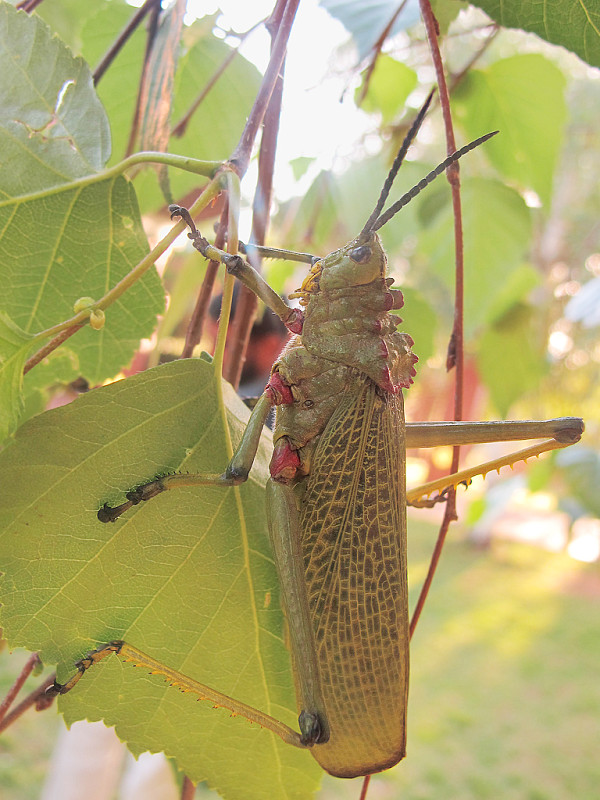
column 206, row 168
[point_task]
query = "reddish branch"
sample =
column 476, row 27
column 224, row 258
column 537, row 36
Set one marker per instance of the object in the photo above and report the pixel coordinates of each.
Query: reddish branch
column 115, row 48
column 137, row 115
column 50, row 347
column 37, row 698
column 14, row 690
column 28, row 5
column 241, row 155
column 455, row 349
column 246, row 306
column 266, row 109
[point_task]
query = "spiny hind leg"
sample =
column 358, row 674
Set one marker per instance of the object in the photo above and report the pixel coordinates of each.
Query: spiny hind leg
column 236, row 472
column 564, row 432
column 182, row 682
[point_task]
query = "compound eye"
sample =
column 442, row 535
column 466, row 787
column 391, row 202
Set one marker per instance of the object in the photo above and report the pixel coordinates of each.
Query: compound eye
column 360, row 254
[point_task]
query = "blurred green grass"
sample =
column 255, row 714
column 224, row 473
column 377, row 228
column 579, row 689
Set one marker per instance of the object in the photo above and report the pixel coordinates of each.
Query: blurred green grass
column 504, row 699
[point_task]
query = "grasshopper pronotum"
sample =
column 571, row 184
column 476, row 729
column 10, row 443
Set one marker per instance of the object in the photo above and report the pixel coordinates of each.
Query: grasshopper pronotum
column 337, row 497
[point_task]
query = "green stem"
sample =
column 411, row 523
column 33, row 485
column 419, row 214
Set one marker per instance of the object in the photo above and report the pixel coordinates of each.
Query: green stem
column 233, row 195
column 206, row 168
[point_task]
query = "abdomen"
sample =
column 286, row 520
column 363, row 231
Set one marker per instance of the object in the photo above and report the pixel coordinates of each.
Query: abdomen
column 353, row 523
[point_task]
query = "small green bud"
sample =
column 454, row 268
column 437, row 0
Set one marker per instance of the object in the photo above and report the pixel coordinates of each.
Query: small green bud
column 97, row 319
column 82, row 304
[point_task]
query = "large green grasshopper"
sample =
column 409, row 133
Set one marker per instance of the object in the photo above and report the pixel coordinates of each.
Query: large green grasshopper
column 337, row 497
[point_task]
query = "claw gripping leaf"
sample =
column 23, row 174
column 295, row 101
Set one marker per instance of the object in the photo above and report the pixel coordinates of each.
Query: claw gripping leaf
column 188, row 578
column 65, row 232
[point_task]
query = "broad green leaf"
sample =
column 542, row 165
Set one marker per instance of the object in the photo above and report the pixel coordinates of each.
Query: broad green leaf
column 517, row 287
column 523, row 98
column 389, row 85
column 574, row 24
column 497, row 229
column 15, row 345
column 71, row 233
column 511, row 357
column 187, row 577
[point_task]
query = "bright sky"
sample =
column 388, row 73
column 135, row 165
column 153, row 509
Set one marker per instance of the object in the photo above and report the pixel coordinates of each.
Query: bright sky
column 316, row 121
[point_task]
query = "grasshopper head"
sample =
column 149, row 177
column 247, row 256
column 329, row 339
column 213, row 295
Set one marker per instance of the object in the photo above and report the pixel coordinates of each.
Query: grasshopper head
column 359, row 262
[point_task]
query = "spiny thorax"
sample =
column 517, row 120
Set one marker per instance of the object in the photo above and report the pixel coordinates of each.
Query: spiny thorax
column 349, row 322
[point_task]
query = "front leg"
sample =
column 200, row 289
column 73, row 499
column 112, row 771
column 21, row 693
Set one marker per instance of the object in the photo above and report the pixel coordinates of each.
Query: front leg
column 236, row 472
column 292, row 318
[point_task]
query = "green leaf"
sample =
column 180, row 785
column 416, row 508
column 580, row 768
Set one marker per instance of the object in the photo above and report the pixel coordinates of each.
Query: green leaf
column 420, row 321
column 574, row 24
column 69, row 232
column 497, row 230
column 300, row 165
column 187, row 577
column 511, row 358
column 517, row 287
column 523, row 98
column 390, row 84
column 15, row 345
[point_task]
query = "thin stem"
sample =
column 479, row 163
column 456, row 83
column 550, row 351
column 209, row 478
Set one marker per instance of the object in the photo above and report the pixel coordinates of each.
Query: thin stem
column 365, row 787
column 135, row 125
column 180, row 128
column 196, row 324
column 233, row 215
column 247, row 302
column 28, row 5
column 241, row 155
column 116, row 47
column 188, row 790
column 377, row 52
column 455, row 349
column 14, row 690
column 51, row 346
column 458, row 76
column 206, row 168
column 37, row 698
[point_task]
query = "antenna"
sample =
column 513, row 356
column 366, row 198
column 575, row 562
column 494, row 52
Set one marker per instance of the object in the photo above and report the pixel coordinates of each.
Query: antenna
column 408, row 140
column 412, row 193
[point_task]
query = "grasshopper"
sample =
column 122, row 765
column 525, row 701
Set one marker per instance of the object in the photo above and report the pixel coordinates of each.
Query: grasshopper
column 336, row 500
